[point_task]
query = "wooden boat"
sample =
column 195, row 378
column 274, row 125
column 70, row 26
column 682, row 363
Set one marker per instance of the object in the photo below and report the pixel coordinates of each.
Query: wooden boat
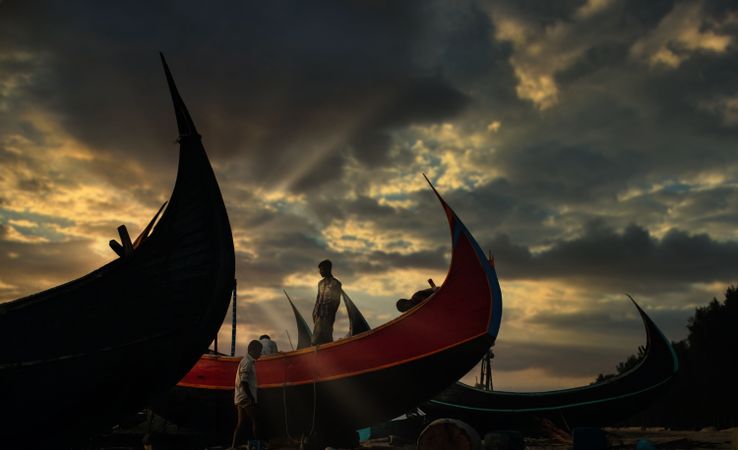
column 600, row 405
column 367, row 378
column 85, row 354
column 594, row 405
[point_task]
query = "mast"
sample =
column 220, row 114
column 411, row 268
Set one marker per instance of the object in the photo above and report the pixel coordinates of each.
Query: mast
column 485, row 376
column 485, row 381
column 233, row 315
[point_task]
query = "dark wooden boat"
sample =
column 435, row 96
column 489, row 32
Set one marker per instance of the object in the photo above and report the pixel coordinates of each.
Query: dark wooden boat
column 367, row 378
column 83, row 355
column 598, row 404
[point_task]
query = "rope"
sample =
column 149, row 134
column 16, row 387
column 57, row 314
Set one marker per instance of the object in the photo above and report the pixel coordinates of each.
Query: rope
column 284, row 402
column 233, row 316
column 315, row 391
column 315, row 402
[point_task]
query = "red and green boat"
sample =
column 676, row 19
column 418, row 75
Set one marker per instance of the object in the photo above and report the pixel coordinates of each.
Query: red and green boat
column 369, row 377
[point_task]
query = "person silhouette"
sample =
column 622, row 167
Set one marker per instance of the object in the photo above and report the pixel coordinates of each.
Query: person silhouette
column 326, row 304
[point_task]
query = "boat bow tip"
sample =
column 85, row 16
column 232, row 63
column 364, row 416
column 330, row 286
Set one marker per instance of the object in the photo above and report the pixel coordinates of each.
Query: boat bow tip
column 457, row 229
column 450, row 214
column 184, row 122
column 654, row 332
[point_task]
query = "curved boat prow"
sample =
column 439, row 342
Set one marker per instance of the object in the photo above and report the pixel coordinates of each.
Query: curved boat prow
column 147, row 317
column 184, row 122
column 372, row 376
column 597, row 404
column 457, row 229
column 655, row 338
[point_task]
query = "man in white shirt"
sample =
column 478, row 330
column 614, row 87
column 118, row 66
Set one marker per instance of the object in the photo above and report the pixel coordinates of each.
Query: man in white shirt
column 326, row 304
column 245, row 393
column 269, row 347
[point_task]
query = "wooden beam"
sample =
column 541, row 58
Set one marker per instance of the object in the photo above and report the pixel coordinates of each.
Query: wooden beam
column 125, row 239
column 117, row 248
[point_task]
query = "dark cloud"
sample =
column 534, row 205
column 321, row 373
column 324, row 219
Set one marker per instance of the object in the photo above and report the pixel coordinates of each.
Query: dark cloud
column 594, row 322
column 288, row 257
column 619, row 123
column 276, row 80
column 278, row 246
column 281, row 243
column 629, row 14
column 579, row 176
column 648, row 15
column 541, row 12
column 605, row 56
column 558, row 360
column 380, row 261
column 321, row 100
column 631, row 260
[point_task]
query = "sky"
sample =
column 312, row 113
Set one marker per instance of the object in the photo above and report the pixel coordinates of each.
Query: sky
column 588, row 144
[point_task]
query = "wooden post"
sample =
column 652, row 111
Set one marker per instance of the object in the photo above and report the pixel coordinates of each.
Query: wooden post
column 486, row 375
column 125, row 240
column 126, row 248
column 233, row 323
column 117, row 248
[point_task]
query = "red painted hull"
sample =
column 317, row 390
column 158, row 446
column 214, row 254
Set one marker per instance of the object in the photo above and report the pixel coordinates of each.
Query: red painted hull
column 381, row 373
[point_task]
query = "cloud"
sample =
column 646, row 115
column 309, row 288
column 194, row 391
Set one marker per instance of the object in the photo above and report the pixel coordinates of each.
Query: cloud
column 287, row 92
column 632, row 259
column 684, row 31
column 725, row 107
column 558, row 360
column 544, row 48
column 587, row 170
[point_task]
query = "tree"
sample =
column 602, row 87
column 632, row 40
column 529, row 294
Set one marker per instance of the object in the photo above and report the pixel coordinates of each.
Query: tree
column 624, row 366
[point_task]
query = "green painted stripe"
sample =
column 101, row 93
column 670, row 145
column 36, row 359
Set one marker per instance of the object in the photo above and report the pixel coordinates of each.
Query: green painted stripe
column 552, row 408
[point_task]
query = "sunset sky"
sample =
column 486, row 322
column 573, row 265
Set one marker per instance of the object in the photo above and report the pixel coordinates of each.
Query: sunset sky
column 590, row 145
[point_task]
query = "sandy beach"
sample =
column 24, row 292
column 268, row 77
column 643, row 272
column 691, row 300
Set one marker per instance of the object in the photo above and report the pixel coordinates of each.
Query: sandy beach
column 170, row 438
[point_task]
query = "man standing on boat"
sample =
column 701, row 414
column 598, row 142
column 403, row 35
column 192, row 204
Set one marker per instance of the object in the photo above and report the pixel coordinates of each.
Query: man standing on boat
column 245, row 393
column 326, row 304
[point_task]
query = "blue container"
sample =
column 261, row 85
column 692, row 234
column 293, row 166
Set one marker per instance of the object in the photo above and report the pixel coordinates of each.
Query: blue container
column 645, row 444
column 364, row 434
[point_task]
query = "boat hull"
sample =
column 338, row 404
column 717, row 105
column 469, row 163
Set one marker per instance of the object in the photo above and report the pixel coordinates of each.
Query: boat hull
column 81, row 356
column 600, row 404
column 381, row 373
column 375, row 375
column 347, row 403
